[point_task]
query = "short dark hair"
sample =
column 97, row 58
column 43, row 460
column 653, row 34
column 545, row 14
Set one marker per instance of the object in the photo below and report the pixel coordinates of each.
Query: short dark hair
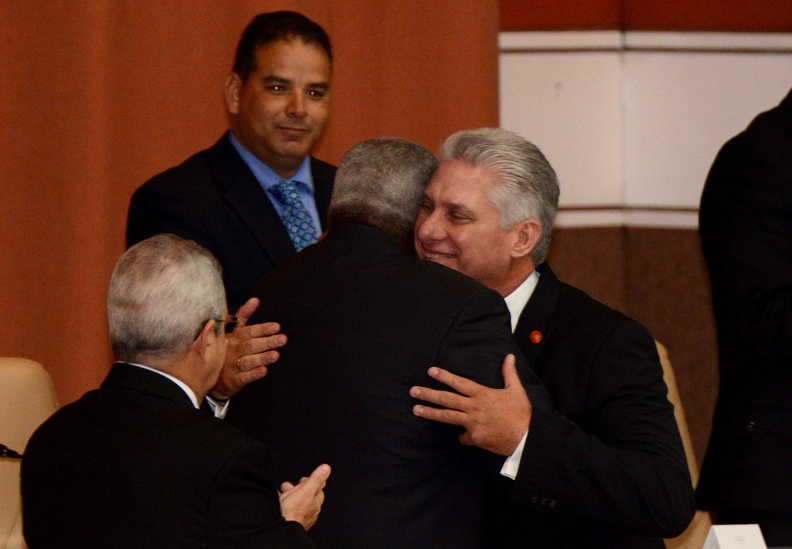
column 274, row 26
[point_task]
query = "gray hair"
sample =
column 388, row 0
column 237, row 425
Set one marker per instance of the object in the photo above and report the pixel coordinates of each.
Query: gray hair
column 528, row 186
column 380, row 183
column 162, row 291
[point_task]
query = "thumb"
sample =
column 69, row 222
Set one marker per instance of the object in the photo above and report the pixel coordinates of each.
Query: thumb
column 511, row 378
column 246, row 311
column 321, row 474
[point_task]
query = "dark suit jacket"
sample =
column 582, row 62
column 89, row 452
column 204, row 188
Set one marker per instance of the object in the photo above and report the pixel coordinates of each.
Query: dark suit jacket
column 214, row 199
column 134, row 465
column 746, row 237
column 365, row 321
column 608, row 470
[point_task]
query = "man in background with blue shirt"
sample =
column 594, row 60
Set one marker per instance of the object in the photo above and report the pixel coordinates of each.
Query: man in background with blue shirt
column 256, row 196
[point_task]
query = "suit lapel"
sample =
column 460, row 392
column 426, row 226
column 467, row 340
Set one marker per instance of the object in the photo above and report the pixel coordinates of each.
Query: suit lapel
column 323, row 176
column 535, row 322
column 248, row 199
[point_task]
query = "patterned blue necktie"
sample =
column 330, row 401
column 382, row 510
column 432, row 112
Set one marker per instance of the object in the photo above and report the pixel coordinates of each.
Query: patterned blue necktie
column 294, row 216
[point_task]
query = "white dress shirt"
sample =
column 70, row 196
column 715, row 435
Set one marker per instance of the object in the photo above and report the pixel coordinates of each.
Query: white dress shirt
column 183, row 386
column 516, row 302
column 219, row 409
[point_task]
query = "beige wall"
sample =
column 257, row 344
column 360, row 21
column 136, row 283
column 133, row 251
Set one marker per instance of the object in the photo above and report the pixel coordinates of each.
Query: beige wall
column 632, row 121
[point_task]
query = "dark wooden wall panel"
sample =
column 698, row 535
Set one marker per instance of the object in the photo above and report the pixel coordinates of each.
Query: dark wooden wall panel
column 708, row 15
column 559, row 14
column 682, row 15
column 592, row 259
column 658, row 277
column 668, row 291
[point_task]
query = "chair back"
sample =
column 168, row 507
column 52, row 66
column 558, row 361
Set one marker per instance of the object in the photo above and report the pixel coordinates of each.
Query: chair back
column 696, row 533
column 27, row 398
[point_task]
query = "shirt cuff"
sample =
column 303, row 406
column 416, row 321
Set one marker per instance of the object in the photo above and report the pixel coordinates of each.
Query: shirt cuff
column 218, row 408
column 512, row 464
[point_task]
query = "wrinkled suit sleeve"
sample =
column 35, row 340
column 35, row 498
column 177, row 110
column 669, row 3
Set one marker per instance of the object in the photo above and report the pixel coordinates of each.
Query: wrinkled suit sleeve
column 244, row 509
column 628, row 467
column 477, row 342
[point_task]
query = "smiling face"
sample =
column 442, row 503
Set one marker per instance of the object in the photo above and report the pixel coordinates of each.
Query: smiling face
column 459, row 227
column 279, row 112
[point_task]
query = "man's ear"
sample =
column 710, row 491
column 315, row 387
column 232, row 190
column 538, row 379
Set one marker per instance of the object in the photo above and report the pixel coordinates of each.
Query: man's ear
column 206, row 338
column 232, row 88
column 526, row 236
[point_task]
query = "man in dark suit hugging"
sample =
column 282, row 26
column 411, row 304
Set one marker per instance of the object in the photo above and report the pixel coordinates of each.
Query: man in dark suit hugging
column 365, row 318
column 137, row 463
column 607, row 468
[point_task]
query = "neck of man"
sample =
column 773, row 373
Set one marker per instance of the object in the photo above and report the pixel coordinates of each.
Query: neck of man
column 392, row 225
column 186, row 368
column 520, row 269
column 285, row 166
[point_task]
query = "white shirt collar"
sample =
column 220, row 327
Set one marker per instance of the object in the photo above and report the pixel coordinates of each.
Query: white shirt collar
column 517, row 300
column 184, row 387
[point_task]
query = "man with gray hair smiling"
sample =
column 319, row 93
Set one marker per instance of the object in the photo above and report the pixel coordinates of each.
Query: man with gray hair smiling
column 606, row 469
column 365, row 318
column 136, row 463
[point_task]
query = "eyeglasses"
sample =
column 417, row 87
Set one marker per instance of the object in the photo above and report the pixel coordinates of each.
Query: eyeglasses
column 230, row 322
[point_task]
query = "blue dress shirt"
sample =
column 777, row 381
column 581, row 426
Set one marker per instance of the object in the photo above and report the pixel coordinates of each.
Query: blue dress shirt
column 267, row 178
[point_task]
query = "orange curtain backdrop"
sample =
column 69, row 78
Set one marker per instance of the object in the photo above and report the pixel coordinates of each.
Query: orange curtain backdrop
column 99, row 96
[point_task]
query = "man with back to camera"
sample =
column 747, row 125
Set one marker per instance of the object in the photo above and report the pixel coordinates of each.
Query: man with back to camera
column 256, row 196
column 136, row 463
column 607, row 470
column 359, row 336
column 745, row 224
